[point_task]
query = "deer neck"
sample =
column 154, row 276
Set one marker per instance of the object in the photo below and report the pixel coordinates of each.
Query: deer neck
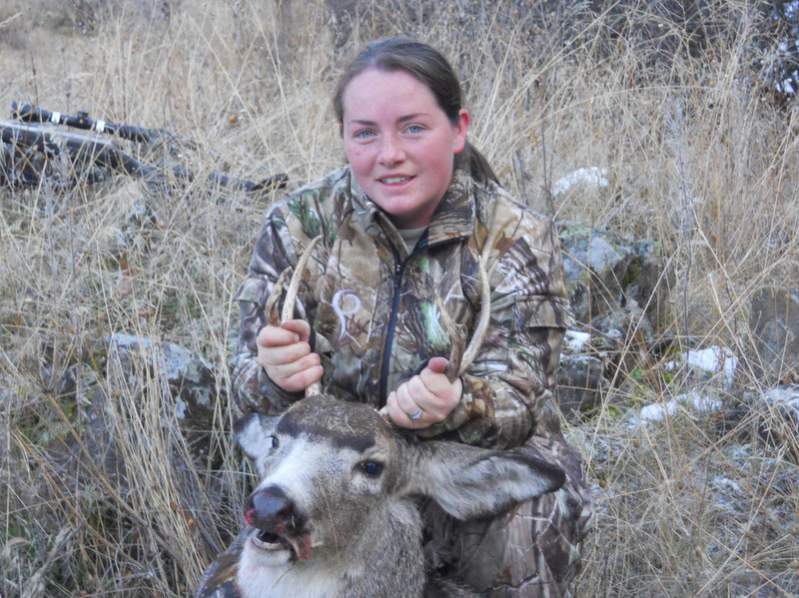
column 387, row 559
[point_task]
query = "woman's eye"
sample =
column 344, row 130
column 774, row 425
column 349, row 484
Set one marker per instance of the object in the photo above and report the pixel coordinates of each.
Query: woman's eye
column 414, row 129
column 371, row 468
column 364, row 134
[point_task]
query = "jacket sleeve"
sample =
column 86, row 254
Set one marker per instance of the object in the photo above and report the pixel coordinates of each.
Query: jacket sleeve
column 507, row 395
column 280, row 241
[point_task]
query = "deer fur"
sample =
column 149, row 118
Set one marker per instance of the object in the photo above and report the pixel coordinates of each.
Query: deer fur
column 335, row 511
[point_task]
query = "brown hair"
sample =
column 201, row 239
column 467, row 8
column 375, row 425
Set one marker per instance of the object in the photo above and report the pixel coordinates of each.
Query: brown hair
column 430, row 67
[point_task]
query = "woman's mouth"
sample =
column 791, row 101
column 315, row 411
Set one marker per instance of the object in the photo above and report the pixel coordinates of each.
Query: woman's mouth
column 395, row 181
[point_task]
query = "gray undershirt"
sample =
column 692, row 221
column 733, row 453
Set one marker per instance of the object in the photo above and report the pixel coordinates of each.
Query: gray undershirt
column 411, row 236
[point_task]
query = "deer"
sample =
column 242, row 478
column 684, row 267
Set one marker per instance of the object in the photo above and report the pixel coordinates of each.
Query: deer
column 335, row 512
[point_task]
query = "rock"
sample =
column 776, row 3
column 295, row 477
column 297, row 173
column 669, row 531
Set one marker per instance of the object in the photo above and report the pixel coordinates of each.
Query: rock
column 692, row 402
column 623, row 337
column 189, row 379
column 575, row 341
column 776, row 414
column 769, row 418
column 774, row 325
column 183, row 385
column 616, row 345
column 752, row 491
column 704, row 365
column 580, row 384
column 605, row 272
column 94, row 427
column 591, row 177
column 785, row 399
column 121, row 430
column 132, row 365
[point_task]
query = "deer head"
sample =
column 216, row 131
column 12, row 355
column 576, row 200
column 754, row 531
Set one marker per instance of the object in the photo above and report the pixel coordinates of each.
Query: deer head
column 332, row 473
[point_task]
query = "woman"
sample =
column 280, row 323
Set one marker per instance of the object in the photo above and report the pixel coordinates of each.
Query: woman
column 403, row 227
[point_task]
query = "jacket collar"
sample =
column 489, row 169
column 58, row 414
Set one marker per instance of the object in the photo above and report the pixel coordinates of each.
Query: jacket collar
column 454, row 219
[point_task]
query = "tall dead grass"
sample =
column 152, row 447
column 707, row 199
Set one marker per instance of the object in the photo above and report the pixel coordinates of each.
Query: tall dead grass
column 698, row 157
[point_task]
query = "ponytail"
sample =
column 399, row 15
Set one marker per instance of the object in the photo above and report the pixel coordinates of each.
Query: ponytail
column 473, row 162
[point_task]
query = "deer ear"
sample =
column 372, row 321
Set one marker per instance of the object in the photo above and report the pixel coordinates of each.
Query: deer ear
column 253, row 433
column 470, row 482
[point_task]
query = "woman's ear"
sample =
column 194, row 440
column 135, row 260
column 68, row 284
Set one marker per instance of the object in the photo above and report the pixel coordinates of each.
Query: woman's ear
column 460, row 127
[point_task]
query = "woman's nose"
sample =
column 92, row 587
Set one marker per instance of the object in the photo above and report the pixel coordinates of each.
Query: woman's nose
column 391, row 151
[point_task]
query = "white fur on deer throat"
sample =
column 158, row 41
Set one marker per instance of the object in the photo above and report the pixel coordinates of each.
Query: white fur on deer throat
column 290, row 579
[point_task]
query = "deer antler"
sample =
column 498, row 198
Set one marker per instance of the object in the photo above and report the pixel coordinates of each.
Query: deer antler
column 458, row 363
column 294, row 284
column 482, row 321
column 291, row 299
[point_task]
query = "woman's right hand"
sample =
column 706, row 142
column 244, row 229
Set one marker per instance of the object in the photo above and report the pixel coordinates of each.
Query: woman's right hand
column 285, row 354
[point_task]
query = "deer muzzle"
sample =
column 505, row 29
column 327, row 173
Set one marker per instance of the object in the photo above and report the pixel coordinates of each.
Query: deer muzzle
column 279, row 524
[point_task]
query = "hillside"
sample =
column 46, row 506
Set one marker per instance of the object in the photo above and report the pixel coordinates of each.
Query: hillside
column 642, row 119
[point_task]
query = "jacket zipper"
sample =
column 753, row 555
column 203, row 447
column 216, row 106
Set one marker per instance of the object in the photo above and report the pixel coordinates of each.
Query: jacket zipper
column 399, row 267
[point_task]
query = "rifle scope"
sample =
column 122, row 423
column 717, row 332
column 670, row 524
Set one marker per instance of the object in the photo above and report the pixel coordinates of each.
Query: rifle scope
column 34, row 114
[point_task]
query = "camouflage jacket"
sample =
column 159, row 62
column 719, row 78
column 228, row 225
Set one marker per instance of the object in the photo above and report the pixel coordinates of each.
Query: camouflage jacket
column 374, row 307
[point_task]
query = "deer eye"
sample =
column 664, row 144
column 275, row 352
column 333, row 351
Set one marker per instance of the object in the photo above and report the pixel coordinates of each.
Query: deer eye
column 275, row 441
column 370, row 468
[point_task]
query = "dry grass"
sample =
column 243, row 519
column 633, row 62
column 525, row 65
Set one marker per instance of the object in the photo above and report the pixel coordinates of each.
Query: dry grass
column 699, row 159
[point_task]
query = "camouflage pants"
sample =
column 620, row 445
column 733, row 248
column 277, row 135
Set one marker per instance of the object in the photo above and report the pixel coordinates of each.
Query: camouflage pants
column 531, row 552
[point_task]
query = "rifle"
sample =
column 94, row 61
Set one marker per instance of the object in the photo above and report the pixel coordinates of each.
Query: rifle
column 28, row 113
column 32, row 149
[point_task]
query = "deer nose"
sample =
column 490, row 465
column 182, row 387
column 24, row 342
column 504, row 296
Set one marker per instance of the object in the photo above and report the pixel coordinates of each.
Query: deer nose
column 268, row 508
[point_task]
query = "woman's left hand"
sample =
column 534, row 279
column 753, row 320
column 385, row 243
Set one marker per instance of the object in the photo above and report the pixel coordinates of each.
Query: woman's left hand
column 426, row 399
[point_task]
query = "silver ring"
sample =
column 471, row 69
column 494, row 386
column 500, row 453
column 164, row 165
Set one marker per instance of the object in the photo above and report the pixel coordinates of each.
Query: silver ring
column 417, row 415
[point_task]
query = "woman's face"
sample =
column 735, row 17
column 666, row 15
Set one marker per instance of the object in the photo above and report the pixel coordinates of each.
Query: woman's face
column 400, row 144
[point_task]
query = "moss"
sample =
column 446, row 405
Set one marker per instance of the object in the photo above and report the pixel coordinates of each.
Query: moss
column 632, row 274
column 637, row 374
column 573, row 231
column 175, row 305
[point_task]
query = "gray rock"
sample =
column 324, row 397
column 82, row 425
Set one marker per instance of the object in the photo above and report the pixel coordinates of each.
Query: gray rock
column 622, row 337
column 786, row 400
column 92, row 439
column 777, row 418
column 615, row 346
column 605, row 272
column 102, row 454
column 767, row 419
column 580, row 384
column 190, row 374
column 709, row 364
column 774, row 325
column 188, row 380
